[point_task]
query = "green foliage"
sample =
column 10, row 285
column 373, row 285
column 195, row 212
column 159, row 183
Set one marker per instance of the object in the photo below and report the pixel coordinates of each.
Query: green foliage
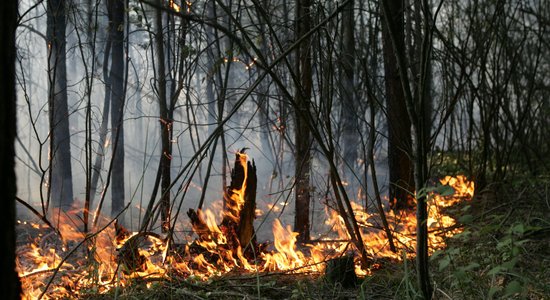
column 442, row 190
column 299, row 292
column 495, row 263
column 448, row 260
column 449, row 162
column 407, row 283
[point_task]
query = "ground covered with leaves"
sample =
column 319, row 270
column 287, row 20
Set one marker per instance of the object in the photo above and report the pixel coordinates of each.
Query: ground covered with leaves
column 503, row 253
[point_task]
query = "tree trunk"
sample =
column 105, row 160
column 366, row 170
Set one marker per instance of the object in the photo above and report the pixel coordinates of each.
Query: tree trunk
column 212, row 56
column 116, row 76
column 103, row 129
column 239, row 212
column 248, row 213
column 349, row 117
column 165, row 124
column 422, row 130
column 240, row 199
column 302, row 136
column 417, row 107
column 61, row 185
column 9, row 282
column 401, row 186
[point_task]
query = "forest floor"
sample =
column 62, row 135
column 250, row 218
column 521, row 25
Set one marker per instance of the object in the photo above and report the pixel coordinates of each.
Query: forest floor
column 503, row 253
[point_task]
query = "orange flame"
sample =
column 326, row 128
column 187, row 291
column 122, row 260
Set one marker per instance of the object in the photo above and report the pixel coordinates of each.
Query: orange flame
column 97, row 266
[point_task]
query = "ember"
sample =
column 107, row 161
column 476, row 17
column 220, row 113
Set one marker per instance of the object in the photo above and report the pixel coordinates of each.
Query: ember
column 56, row 266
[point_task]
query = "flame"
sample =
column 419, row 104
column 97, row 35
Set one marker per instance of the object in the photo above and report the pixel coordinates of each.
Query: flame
column 235, row 202
column 173, row 5
column 102, row 261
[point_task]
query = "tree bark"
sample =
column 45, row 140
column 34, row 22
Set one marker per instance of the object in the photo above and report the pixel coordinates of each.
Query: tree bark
column 422, row 130
column 349, row 117
column 9, row 281
column 165, row 124
column 302, row 136
column 248, row 213
column 417, row 107
column 401, row 186
column 116, row 76
column 239, row 211
column 61, row 185
column 103, row 129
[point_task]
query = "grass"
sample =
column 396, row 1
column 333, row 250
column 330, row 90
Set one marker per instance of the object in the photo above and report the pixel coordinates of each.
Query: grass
column 504, row 250
column 503, row 253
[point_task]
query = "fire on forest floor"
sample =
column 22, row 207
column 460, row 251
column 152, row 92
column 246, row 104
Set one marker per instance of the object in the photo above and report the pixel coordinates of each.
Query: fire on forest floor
column 73, row 263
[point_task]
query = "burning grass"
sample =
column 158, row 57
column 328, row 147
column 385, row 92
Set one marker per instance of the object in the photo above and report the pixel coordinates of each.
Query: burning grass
column 71, row 264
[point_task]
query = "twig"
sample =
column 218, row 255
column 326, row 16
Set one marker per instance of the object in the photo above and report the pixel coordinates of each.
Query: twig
column 445, row 294
column 37, row 273
column 34, row 211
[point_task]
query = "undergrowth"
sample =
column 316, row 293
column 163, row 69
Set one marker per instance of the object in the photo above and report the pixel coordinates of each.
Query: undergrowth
column 503, row 253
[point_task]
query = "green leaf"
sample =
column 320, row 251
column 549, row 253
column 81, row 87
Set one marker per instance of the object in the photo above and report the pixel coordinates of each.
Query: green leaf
column 444, row 263
column 495, row 270
column 504, row 243
column 510, row 264
column 466, row 219
column 453, row 251
column 422, row 193
column 460, row 274
column 493, row 290
column 445, row 190
column 436, row 255
column 465, row 235
column 518, row 229
column 466, row 208
column 471, row 266
column 514, row 287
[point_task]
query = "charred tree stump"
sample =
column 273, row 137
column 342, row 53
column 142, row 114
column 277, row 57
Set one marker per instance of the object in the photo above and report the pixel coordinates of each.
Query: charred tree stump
column 245, row 229
column 341, row 271
column 239, row 210
column 240, row 203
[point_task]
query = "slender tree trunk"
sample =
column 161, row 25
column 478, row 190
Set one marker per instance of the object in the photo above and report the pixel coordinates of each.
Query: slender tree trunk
column 215, row 114
column 302, row 136
column 422, row 129
column 417, row 106
column 370, row 157
column 165, row 123
column 401, row 186
column 349, row 118
column 61, row 184
column 212, row 55
column 263, row 97
column 116, row 75
column 103, row 129
column 9, row 281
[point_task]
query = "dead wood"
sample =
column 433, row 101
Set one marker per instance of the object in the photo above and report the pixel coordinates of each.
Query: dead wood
column 240, row 204
column 129, row 256
column 198, row 224
column 237, row 224
column 245, row 230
